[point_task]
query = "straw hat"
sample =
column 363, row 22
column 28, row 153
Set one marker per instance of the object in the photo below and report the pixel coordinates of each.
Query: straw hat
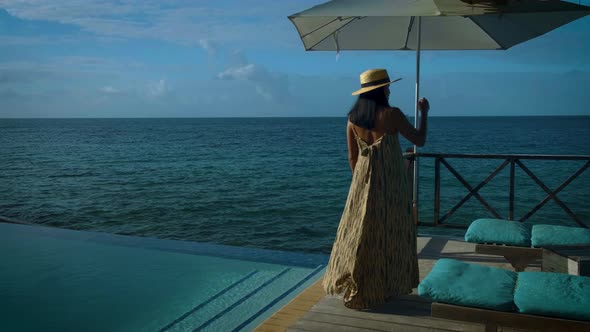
column 373, row 79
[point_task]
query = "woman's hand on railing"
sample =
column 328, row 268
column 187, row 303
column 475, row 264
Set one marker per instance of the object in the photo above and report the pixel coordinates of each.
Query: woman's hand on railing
column 424, row 105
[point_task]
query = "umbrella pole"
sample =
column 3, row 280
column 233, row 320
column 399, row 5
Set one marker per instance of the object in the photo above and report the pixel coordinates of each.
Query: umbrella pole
column 416, row 122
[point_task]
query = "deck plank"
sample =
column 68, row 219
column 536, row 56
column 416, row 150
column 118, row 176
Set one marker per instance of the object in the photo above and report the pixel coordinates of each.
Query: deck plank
column 313, row 310
column 294, row 310
column 359, row 325
column 397, row 312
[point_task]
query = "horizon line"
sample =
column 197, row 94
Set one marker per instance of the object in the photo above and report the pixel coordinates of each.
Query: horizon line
column 289, row 117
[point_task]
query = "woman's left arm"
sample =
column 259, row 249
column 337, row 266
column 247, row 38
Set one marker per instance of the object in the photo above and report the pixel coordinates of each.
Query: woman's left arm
column 353, row 149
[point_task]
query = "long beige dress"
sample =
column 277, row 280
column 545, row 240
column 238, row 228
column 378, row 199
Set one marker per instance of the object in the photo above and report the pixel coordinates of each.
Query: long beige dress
column 374, row 254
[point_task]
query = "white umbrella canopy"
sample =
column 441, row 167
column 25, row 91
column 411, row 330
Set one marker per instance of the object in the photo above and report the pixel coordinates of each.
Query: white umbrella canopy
column 445, row 24
column 430, row 25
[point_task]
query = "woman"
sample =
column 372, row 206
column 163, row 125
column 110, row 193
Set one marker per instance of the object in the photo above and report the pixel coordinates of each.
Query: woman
column 374, row 254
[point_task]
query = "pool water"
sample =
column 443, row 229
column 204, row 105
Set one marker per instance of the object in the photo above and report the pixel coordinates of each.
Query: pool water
column 62, row 280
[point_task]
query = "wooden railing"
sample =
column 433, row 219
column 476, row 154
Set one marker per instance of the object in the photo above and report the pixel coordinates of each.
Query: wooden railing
column 510, row 160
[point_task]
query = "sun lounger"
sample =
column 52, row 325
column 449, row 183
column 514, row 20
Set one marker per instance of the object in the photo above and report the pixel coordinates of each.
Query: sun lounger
column 539, row 301
column 521, row 244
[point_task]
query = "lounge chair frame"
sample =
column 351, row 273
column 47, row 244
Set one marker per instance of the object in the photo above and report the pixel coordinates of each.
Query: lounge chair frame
column 521, row 257
column 493, row 319
column 518, row 257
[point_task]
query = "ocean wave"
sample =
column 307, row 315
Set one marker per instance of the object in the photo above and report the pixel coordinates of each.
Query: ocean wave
column 285, row 194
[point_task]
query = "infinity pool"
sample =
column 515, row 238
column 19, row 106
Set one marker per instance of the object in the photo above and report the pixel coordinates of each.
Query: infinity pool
column 62, row 280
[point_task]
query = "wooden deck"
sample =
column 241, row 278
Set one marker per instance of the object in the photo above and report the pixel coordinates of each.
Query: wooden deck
column 312, row 310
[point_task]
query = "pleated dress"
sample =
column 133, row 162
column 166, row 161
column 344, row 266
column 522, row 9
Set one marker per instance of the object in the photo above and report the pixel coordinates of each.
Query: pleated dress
column 374, row 254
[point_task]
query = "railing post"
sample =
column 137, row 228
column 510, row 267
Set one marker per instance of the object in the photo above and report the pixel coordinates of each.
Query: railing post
column 415, row 191
column 511, row 194
column 436, row 190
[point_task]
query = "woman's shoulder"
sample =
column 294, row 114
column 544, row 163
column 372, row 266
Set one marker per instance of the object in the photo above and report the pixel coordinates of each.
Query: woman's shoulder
column 390, row 113
column 393, row 109
column 349, row 124
column 389, row 119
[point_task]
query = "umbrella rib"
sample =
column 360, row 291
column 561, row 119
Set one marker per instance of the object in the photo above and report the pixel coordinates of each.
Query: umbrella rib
column 487, row 33
column 409, row 30
column 321, row 40
column 321, row 26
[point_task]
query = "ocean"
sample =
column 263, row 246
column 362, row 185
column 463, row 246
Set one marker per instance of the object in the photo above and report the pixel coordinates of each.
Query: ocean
column 274, row 183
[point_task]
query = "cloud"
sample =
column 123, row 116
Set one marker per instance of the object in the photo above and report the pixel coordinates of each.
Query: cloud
column 109, row 90
column 19, row 72
column 99, row 65
column 238, row 58
column 7, row 40
column 209, row 46
column 178, row 21
column 270, row 86
column 80, row 60
column 7, row 94
column 265, row 93
column 157, row 89
column 247, row 72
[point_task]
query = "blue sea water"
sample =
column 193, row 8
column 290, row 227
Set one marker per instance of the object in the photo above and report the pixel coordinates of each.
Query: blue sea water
column 274, row 183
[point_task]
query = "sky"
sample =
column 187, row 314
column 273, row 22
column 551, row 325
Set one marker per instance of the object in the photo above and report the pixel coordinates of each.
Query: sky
column 244, row 58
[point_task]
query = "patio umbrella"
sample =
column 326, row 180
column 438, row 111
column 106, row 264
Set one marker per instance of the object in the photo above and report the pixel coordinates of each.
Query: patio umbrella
column 430, row 25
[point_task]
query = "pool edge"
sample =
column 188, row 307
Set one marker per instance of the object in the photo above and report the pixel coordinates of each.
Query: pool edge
column 295, row 309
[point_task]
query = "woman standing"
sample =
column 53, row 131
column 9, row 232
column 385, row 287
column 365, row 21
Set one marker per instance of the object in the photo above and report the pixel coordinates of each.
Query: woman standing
column 374, row 254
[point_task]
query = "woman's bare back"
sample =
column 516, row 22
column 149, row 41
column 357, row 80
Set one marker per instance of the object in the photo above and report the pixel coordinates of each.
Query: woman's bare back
column 389, row 121
column 370, row 136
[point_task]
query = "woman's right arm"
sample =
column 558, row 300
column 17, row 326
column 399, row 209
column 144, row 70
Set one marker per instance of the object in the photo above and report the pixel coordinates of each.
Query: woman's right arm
column 397, row 121
column 353, row 149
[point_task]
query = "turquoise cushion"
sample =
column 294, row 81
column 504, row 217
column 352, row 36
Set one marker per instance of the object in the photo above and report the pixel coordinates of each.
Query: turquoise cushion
column 455, row 282
column 499, row 231
column 551, row 235
column 553, row 294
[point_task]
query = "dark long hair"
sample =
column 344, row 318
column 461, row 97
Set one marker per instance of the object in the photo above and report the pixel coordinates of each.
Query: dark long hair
column 367, row 106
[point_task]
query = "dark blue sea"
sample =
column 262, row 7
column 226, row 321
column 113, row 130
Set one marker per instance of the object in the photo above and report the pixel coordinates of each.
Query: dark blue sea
column 275, row 183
